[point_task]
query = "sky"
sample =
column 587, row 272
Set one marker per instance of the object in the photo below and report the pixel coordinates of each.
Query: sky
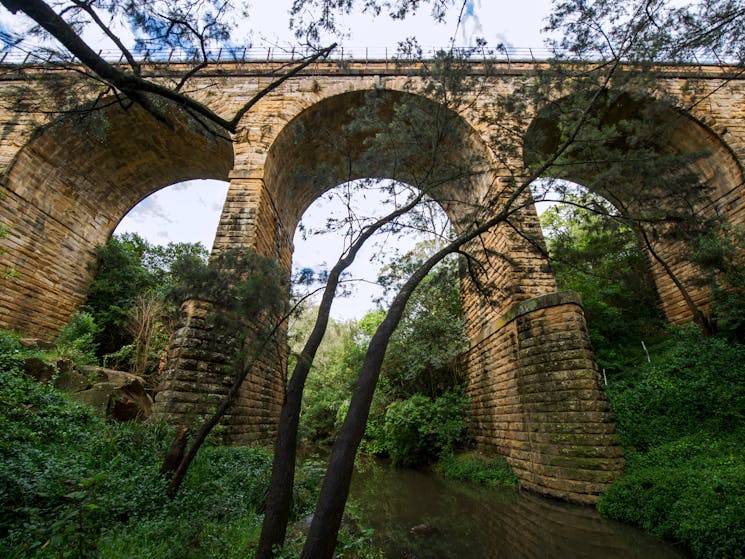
column 189, row 212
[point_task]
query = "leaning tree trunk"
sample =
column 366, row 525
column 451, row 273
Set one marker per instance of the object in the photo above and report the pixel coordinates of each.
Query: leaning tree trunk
column 327, row 518
column 279, row 497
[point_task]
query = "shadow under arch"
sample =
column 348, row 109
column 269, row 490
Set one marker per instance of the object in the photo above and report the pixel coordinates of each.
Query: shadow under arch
column 378, row 134
column 658, row 166
column 69, row 187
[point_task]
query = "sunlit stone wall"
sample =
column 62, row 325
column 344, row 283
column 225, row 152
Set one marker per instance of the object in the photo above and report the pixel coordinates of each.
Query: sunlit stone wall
column 65, row 183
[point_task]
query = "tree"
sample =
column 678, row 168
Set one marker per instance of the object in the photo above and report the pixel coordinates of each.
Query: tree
column 332, row 374
column 128, row 270
column 279, row 497
column 647, row 31
column 327, row 518
column 194, row 26
column 424, row 350
column 638, row 30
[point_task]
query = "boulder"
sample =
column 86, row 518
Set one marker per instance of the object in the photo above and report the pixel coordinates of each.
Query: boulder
column 71, row 380
column 36, row 343
column 129, row 399
column 38, row 369
column 98, row 397
column 422, row 529
column 131, row 402
column 119, row 378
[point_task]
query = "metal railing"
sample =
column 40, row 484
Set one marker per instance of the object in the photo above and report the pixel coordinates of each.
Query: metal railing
column 24, row 56
column 14, row 54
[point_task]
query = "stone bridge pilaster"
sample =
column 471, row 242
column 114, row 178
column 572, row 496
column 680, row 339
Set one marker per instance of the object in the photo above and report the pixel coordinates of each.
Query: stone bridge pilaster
column 537, row 399
column 199, row 369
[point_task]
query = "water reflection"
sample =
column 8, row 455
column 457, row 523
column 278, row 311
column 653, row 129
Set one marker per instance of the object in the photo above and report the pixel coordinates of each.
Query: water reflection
column 455, row 520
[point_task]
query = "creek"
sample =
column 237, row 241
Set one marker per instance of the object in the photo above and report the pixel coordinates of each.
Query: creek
column 457, row 520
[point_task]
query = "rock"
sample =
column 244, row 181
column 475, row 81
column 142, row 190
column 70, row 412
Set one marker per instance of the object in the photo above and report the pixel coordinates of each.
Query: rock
column 131, row 402
column 129, row 399
column 36, row 343
column 98, row 397
column 38, row 369
column 423, row 529
column 71, row 381
column 119, row 378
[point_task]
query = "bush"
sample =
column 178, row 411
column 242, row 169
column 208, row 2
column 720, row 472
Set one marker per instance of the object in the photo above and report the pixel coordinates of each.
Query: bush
column 73, row 485
column 77, row 339
column 691, row 490
column 494, row 472
column 695, row 383
column 11, row 353
column 419, row 430
column 681, row 423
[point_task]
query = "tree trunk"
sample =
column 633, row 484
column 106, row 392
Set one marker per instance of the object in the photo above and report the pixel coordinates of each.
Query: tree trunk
column 175, row 453
column 327, row 518
column 708, row 328
column 279, row 497
column 324, row 529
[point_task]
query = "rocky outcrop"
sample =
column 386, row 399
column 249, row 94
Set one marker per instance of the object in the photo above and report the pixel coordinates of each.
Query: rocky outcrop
column 116, row 394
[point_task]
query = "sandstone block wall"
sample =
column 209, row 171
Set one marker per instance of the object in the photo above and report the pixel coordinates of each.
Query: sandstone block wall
column 200, row 371
column 537, row 400
column 103, row 167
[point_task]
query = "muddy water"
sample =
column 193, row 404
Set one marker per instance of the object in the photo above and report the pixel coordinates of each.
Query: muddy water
column 417, row 515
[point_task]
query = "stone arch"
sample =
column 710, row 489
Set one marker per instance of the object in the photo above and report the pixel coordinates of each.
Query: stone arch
column 532, row 377
column 70, row 185
column 712, row 161
column 316, row 152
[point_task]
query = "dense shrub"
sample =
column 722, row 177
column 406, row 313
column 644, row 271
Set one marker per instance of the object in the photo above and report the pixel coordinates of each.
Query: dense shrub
column 494, row 472
column 11, row 353
column 691, row 490
column 694, row 384
column 681, row 422
column 73, row 485
column 65, row 473
column 77, row 339
column 419, row 430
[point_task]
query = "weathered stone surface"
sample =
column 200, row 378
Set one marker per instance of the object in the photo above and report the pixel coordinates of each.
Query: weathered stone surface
column 544, row 410
column 129, row 400
column 65, row 189
column 72, row 381
column 39, row 369
column 532, row 379
column 117, row 378
column 98, row 397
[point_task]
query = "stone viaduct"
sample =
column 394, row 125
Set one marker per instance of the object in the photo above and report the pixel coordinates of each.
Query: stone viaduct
column 537, row 398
